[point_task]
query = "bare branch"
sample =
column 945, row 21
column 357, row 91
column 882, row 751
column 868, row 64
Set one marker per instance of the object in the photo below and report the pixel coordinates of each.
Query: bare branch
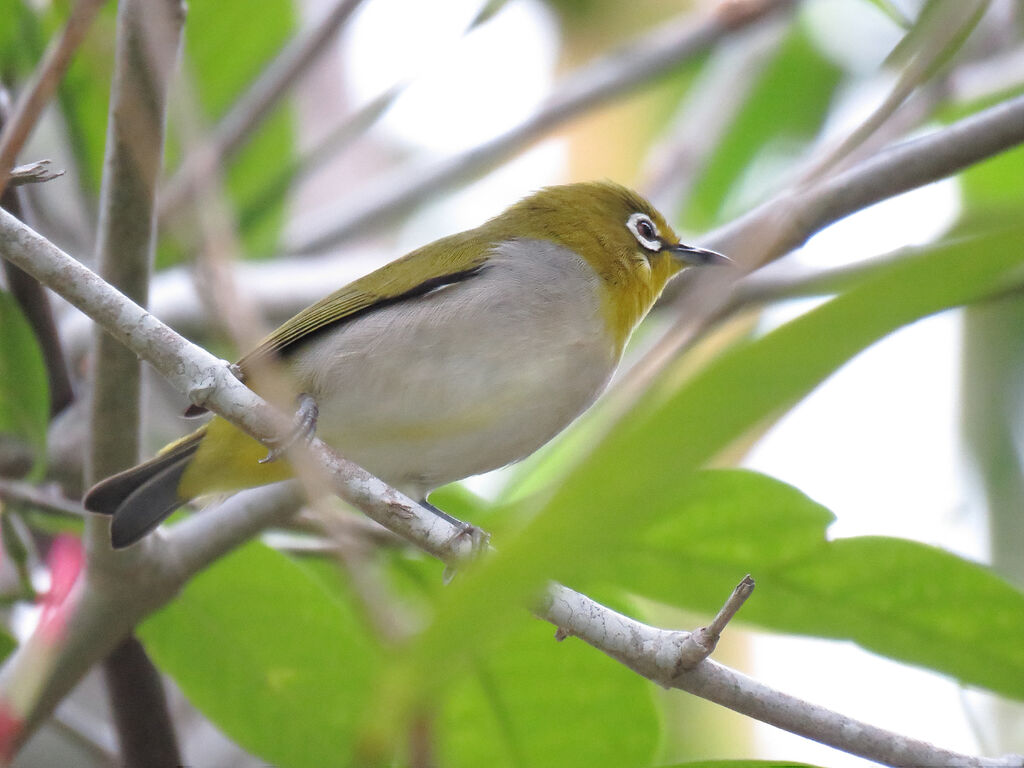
column 44, row 82
column 33, row 173
column 593, row 85
column 702, row 641
column 18, row 492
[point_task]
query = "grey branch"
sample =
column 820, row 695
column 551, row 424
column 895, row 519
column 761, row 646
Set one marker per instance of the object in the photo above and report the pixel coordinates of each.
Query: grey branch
column 19, row 493
column 594, row 84
column 147, row 45
column 33, row 173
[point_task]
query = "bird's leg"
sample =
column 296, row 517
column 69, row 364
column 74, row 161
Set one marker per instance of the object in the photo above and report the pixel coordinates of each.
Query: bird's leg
column 303, row 428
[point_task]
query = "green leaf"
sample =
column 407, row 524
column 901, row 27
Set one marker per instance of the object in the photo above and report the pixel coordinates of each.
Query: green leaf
column 24, row 390
column 7, row 644
column 536, row 702
column 739, row 764
column 995, row 186
column 675, row 429
column 800, row 78
column 259, row 645
column 915, row 603
column 937, row 35
column 707, row 534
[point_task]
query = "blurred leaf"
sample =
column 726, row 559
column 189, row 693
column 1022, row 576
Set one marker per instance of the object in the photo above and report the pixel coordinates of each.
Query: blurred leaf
column 785, row 107
column 995, row 185
column 250, row 173
column 675, row 429
column 7, row 644
column 20, row 40
column 739, row 764
column 487, row 11
column 915, row 603
column 537, row 702
column 24, row 390
column 258, row 644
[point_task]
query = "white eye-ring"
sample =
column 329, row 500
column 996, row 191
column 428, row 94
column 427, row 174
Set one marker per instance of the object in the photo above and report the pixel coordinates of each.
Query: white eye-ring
column 644, row 231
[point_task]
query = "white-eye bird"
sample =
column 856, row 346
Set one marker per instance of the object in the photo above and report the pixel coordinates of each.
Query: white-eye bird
column 463, row 356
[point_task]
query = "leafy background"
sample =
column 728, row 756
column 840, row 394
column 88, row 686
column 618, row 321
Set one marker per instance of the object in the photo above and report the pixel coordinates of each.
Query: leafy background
column 280, row 651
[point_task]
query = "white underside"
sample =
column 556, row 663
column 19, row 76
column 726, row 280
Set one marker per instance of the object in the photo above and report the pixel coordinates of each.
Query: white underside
column 467, row 378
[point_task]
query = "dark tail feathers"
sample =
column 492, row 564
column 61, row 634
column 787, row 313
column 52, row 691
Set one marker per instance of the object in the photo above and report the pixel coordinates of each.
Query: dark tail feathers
column 140, row 497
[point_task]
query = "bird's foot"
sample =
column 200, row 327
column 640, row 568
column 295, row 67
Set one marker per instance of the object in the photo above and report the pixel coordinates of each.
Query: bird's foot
column 303, row 428
column 479, row 539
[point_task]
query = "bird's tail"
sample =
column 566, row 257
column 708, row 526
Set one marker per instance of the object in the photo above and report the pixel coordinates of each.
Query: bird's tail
column 141, row 497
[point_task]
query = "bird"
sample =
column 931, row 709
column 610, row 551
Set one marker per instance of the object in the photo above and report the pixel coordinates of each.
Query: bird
column 463, row 356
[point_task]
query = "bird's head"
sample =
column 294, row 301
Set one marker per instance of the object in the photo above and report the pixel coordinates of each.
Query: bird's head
column 627, row 242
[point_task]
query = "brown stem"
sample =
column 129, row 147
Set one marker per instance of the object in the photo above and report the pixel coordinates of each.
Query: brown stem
column 144, row 725
column 35, row 306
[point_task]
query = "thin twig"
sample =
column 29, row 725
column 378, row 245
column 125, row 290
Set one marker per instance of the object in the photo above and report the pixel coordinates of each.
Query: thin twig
column 39, row 91
column 250, row 110
column 19, row 492
column 33, row 173
column 593, row 85
column 702, row 641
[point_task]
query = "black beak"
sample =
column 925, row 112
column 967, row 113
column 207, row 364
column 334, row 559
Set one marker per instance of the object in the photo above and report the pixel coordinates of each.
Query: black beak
column 697, row 256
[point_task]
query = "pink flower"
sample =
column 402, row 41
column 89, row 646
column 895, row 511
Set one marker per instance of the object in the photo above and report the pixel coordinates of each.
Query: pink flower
column 65, row 559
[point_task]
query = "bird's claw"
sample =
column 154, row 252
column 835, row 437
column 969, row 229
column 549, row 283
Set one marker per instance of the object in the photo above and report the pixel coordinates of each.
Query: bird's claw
column 303, row 429
column 479, row 540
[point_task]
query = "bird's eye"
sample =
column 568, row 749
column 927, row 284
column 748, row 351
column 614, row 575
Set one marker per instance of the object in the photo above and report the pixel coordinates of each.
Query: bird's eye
column 644, row 231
